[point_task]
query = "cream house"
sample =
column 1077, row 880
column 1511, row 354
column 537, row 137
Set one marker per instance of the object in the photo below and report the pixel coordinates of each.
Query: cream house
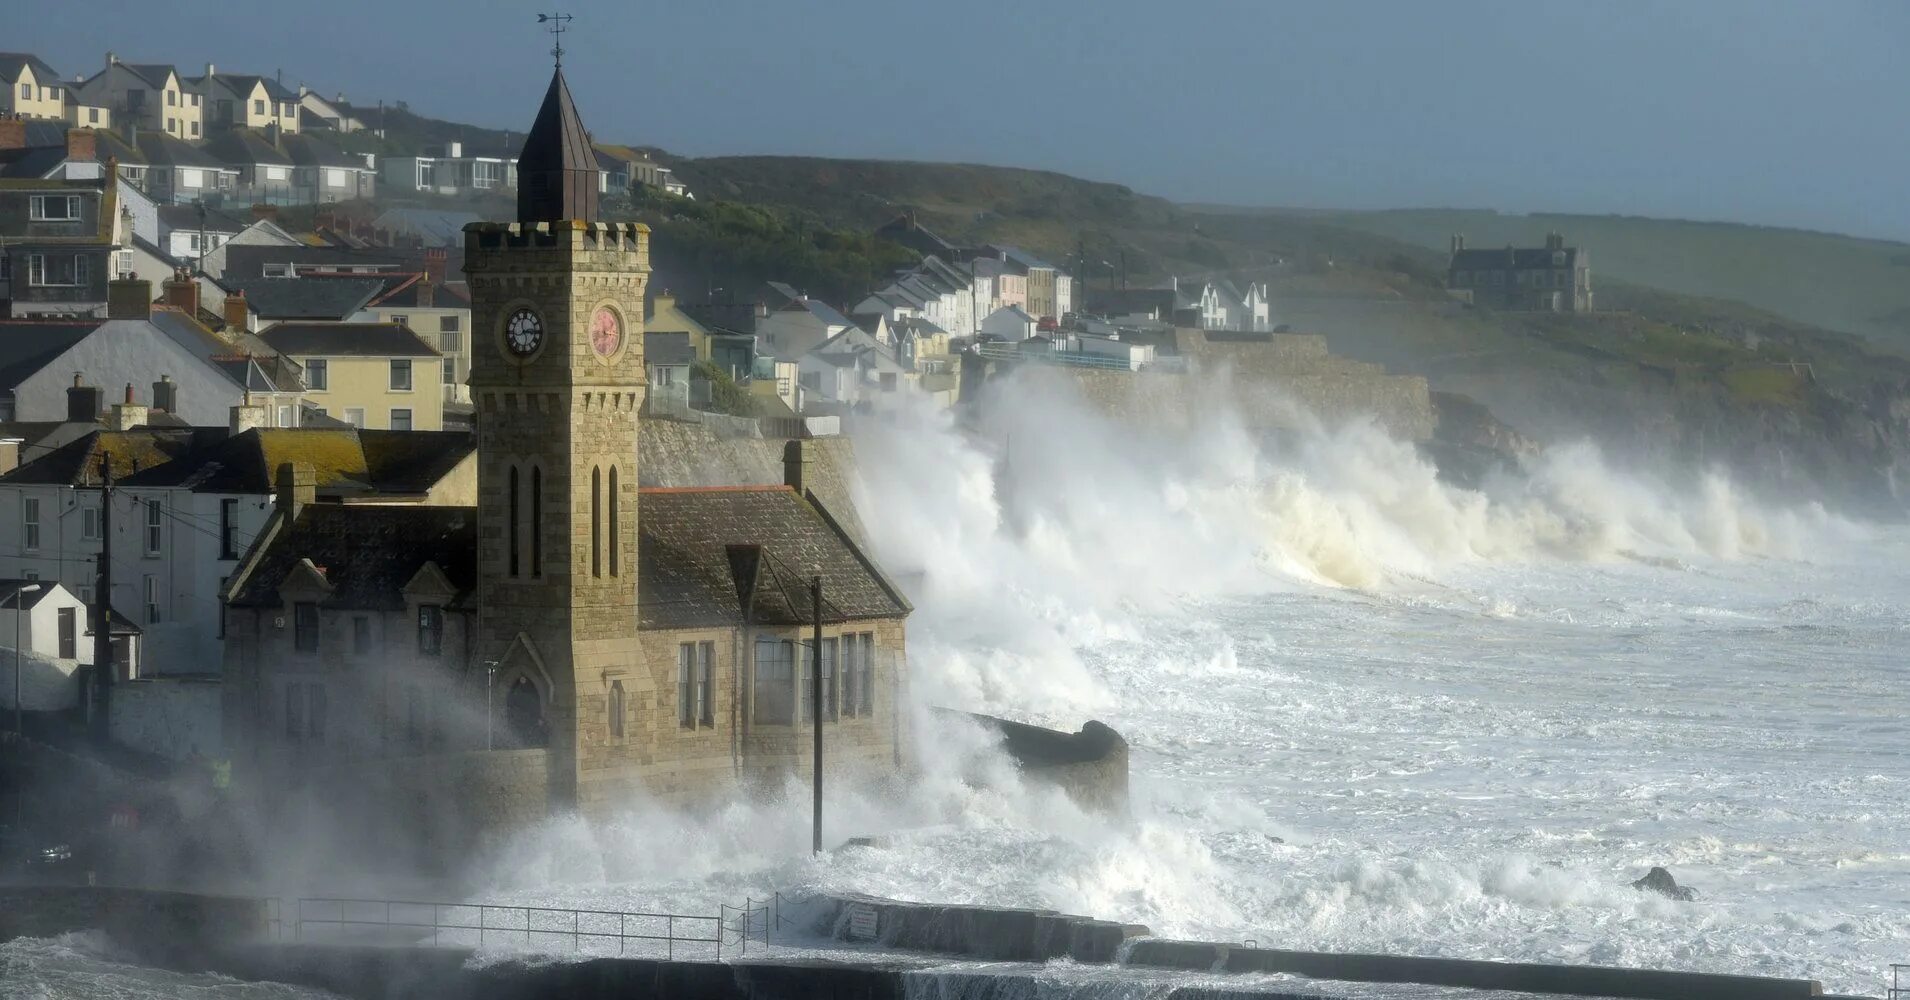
column 237, row 100
column 32, row 88
column 150, row 96
column 376, row 375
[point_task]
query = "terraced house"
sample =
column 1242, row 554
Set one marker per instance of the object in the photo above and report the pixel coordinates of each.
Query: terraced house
column 149, row 96
column 59, row 240
column 29, row 88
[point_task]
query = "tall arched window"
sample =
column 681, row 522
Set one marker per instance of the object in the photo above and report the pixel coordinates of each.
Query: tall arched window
column 596, row 521
column 537, row 521
column 616, row 709
column 512, row 531
column 616, row 529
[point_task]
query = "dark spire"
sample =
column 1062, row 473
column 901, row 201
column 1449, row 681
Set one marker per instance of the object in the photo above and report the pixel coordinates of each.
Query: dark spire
column 557, row 169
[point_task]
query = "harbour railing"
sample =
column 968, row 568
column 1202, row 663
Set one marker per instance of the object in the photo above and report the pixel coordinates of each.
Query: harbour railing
column 335, row 920
column 1899, row 983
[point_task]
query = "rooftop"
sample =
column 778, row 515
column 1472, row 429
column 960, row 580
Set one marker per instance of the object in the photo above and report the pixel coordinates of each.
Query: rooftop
column 346, row 462
column 370, row 340
column 308, row 298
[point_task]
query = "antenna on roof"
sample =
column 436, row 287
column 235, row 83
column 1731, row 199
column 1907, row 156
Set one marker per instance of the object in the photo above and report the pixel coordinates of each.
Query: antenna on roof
column 557, row 24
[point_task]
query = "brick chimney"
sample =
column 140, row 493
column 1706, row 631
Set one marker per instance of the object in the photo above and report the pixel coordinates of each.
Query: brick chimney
column 81, row 144
column 182, row 293
column 129, row 298
column 127, row 415
column 246, row 416
column 434, row 264
column 795, row 465
column 236, row 313
column 166, row 395
column 13, row 133
column 427, row 292
column 297, row 487
column 82, row 402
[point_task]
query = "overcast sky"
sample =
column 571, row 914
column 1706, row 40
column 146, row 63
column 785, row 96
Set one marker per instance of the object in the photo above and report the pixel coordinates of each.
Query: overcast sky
column 1777, row 112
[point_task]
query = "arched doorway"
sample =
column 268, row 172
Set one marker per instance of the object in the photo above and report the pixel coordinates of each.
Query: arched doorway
column 524, row 714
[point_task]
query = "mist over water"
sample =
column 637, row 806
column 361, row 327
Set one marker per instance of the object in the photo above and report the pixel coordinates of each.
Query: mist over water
column 1368, row 710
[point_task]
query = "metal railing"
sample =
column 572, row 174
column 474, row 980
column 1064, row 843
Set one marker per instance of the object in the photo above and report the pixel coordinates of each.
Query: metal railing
column 419, row 922
column 1076, row 359
column 1899, row 983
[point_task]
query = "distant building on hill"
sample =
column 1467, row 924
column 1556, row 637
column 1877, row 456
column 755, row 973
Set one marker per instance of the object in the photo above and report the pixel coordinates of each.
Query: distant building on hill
column 1552, row 278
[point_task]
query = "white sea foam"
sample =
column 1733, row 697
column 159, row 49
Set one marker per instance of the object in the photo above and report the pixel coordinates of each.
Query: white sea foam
column 1368, row 710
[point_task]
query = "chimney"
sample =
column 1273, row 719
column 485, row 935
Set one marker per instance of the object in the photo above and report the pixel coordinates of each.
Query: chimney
column 236, row 312
column 1511, row 256
column 427, row 292
column 166, row 395
column 211, row 70
column 246, row 416
column 128, row 415
column 297, row 487
column 182, row 293
column 81, row 144
column 82, row 402
column 13, row 133
column 129, row 298
column 1458, row 243
column 434, row 264
column 795, row 464
column 111, row 59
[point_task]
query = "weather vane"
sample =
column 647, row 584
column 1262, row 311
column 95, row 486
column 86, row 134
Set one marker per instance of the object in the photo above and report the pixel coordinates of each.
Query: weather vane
column 558, row 24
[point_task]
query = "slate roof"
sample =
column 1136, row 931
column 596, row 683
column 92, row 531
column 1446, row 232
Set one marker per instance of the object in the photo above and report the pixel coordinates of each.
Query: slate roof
column 366, row 553
column 12, row 62
column 154, row 74
column 161, row 149
column 10, row 590
column 1521, row 259
column 32, row 163
column 703, row 553
column 667, row 349
column 307, row 151
column 76, row 463
column 28, row 346
column 703, row 549
column 245, row 146
column 187, row 217
column 346, row 461
column 308, row 298
column 246, row 261
column 367, row 340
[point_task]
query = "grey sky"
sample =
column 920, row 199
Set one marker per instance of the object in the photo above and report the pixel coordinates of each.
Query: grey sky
column 1783, row 113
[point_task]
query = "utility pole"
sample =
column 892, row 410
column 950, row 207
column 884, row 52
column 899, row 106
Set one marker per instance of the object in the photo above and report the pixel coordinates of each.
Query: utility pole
column 815, row 700
column 103, row 605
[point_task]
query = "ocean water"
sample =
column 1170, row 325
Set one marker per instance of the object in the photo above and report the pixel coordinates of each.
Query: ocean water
column 1367, row 710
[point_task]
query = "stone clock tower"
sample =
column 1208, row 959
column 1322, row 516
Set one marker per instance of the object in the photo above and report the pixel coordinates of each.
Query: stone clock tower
column 558, row 379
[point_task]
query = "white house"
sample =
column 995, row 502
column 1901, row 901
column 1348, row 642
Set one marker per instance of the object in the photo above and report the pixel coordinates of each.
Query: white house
column 852, row 369
column 1130, row 355
column 45, row 637
column 799, row 325
column 1010, row 323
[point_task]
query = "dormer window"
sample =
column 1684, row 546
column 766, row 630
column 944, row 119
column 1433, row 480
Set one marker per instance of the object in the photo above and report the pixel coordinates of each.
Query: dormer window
column 1558, row 258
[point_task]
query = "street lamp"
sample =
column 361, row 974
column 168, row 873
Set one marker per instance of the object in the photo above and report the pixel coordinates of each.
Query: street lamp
column 19, row 718
column 490, row 714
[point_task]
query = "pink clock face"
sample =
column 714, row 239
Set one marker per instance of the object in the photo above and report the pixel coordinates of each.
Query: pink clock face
column 606, row 331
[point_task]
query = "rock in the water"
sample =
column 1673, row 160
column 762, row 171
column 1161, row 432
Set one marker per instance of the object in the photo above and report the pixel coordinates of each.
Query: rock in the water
column 1660, row 881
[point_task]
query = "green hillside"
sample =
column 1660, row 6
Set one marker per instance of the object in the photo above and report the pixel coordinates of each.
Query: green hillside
column 1840, row 282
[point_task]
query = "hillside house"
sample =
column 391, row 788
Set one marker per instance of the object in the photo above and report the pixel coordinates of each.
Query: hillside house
column 242, row 101
column 29, row 88
column 377, row 375
column 147, row 97
column 1552, row 278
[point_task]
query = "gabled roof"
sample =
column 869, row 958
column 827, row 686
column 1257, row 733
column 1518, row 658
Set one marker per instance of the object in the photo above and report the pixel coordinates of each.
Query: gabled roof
column 26, row 346
column 1013, row 311
column 153, row 74
column 107, row 145
column 366, row 554
column 12, row 62
column 307, row 151
column 187, row 217
column 76, row 463
column 11, row 596
column 308, row 298
column 247, row 261
column 369, row 340
column 346, row 461
column 706, row 550
column 667, row 349
column 245, row 146
column 161, row 149
column 31, row 163
column 1512, row 258
column 557, row 169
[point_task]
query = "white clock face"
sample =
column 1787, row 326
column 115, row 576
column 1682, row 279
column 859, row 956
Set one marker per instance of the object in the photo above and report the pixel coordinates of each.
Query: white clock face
column 524, row 333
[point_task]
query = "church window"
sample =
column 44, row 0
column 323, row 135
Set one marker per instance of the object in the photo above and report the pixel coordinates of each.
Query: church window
column 775, row 681
column 511, row 530
column 430, row 629
column 865, row 671
column 685, row 684
column 616, row 709
column 615, row 530
column 305, row 627
column 537, row 521
column 596, row 522
column 706, row 683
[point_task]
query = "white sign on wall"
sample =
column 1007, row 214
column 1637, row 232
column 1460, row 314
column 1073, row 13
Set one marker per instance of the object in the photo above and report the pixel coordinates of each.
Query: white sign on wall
column 862, row 922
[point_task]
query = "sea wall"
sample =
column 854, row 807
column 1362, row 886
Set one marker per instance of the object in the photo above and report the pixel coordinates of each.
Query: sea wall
column 162, row 927
column 172, row 717
column 990, row 933
column 1090, row 765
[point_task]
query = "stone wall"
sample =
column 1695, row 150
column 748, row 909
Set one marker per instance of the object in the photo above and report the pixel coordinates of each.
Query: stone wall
column 172, row 717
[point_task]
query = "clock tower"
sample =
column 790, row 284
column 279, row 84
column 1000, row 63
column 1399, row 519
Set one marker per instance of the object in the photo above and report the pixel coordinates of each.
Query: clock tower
column 557, row 377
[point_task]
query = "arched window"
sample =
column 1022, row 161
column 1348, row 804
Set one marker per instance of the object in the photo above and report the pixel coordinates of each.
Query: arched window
column 616, row 529
column 537, row 521
column 512, row 532
column 616, row 709
column 596, row 521
column 524, row 714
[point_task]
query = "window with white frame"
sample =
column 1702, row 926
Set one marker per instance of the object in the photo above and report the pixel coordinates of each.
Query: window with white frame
column 696, row 684
column 318, row 374
column 450, row 371
column 155, row 527
column 400, row 375
column 89, row 523
column 58, row 270
column 355, row 416
column 30, row 523
column 400, row 419
column 775, row 688
column 228, row 528
column 285, row 416
column 54, row 208
column 152, row 599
